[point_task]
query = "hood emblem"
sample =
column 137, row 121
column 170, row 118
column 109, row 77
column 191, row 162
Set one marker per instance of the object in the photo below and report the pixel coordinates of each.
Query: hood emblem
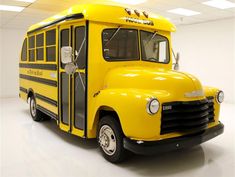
column 197, row 93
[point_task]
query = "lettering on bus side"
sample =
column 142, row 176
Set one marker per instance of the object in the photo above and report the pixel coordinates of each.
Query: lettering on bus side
column 139, row 21
column 36, row 73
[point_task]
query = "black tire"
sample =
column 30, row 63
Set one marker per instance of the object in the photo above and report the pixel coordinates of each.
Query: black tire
column 35, row 113
column 120, row 153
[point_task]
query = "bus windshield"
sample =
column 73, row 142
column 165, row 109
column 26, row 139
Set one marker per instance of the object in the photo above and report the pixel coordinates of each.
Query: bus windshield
column 120, row 45
column 154, row 47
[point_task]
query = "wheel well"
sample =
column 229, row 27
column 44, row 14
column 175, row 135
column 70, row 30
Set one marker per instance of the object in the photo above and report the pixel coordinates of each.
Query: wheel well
column 30, row 94
column 104, row 111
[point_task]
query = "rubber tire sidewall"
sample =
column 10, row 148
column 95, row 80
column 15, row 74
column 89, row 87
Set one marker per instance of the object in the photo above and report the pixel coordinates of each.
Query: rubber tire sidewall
column 120, row 153
column 38, row 117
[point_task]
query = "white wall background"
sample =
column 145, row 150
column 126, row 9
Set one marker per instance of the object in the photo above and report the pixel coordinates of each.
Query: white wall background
column 10, row 45
column 207, row 51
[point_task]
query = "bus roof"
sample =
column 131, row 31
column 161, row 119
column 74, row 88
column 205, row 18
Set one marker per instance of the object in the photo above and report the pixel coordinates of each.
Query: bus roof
column 110, row 14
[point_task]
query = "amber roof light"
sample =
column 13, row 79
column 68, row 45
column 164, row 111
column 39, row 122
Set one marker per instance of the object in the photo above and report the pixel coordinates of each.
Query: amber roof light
column 137, row 12
column 128, row 11
column 146, row 14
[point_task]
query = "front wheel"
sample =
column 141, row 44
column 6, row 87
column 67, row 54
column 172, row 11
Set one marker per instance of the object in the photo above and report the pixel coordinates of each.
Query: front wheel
column 110, row 139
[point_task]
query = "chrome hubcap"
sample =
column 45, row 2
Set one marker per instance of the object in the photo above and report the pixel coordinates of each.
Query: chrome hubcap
column 107, row 140
column 33, row 107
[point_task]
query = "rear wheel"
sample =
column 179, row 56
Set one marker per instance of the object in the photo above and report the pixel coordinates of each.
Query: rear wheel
column 110, row 139
column 35, row 113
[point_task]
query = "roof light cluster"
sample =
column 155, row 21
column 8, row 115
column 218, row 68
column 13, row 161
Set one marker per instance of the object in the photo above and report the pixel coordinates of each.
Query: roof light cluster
column 137, row 12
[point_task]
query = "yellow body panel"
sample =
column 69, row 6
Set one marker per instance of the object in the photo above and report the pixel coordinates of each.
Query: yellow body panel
column 110, row 14
column 23, row 95
column 39, row 88
column 124, row 87
column 46, row 105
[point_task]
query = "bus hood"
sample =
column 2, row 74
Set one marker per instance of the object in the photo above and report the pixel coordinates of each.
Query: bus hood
column 175, row 83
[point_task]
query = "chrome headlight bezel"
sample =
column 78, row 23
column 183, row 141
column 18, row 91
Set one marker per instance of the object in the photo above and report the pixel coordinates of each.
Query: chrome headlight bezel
column 220, row 97
column 153, row 106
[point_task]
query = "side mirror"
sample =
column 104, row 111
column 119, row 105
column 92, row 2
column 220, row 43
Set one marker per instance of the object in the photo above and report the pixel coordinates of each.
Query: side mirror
column 66, row 54
column 176, row 65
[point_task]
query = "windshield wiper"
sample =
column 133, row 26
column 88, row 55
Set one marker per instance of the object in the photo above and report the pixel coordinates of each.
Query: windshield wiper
column 151, row 38
column 114, row 34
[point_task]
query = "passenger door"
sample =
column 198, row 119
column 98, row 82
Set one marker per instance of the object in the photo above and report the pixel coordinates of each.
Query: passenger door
column 72, row 87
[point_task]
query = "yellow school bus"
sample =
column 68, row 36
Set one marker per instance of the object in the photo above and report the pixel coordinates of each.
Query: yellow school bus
column 105, row 72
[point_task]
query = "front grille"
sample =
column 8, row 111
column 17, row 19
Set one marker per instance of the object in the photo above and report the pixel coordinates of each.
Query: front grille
column 211, row 110
column 187, row 116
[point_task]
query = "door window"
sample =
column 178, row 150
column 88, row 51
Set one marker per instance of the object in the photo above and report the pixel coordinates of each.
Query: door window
column 80, row 45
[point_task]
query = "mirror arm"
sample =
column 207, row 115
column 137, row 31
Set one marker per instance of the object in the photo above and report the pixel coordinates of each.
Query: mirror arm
column 176, row 64
column 173, row 53
column 83, row 85
column 79, row 50
column 114, row 34
column 75, row 61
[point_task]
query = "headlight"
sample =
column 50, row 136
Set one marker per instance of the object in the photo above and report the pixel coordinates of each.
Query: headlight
column 220, row 97
column 153, row 106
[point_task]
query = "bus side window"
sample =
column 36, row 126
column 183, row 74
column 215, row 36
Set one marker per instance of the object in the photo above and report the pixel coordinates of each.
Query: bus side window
column 32, row 48
column 79, row 37
column 40, row 47
column 24, row 51
column 51, row 45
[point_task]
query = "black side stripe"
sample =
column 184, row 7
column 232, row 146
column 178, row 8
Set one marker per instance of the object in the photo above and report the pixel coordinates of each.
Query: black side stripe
column 46, row 99
column 40, row 80
column 22, row 89
column 39, row 66
column 69, row 17
column 47, row 112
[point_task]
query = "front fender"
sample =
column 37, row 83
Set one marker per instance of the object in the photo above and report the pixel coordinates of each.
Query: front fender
column 130, row 106
column 210, row 91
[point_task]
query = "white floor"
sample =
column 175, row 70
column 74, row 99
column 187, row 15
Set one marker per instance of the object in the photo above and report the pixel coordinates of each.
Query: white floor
column 30, row 149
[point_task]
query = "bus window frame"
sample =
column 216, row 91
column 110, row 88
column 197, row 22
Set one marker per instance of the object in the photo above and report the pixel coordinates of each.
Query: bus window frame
column 29, row 49
column 41, row 47
column 54, row 45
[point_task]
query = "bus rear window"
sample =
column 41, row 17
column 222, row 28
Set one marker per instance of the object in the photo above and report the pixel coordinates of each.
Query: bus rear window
column 24, row 51
column 120, row 44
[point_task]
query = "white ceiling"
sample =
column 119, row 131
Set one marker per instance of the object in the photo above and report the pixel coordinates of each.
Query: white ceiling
column 42, row 9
